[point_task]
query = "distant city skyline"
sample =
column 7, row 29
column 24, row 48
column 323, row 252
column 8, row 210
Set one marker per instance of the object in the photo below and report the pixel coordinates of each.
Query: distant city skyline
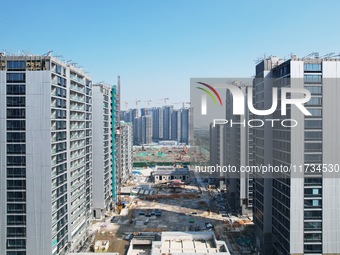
column 157, row 46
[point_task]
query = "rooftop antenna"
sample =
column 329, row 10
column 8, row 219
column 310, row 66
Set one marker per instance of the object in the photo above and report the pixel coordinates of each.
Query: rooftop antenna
column 328, row 55
column 48, row 53
column 26, row 53
column 313, row 54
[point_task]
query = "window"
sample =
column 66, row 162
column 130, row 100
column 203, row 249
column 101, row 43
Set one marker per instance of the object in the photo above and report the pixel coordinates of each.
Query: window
column 61, row 92
column 61, row 125
column 313, row 78
column 16, row 253
column 58, row 69
column 16, row 184
column 314, row 89
column 312, row 237
column 15, row 125
column 16, row 244
column 16, row 77
column 313, row 248
column 16, row 101
column 16, row 148
column 315, row 112
column 16, row 196
column 313, row 123
column 16, row 160
column 312, row 192
column 313, row 158
column 16, row 172
column 313, row 135
column 16, row 231
column 314, row 101
column 312, row 203
column 17, row 65
column 16, row 220
column 16, row 113
column 313, row 225
column 16, row 208
column 313, row 67
column 313, row 214
column 61, row 135
column 313, row 181
column 61, row 114
column 61, row 147
column 61, row 103
column 16, row 137
column 315, row 147
column 15, row 89
column 61, row 81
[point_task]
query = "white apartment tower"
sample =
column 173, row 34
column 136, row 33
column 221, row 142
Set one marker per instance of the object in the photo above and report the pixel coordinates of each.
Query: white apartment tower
column 102, row 149
column 299, row 213
column 239, row 152
column 45, row 155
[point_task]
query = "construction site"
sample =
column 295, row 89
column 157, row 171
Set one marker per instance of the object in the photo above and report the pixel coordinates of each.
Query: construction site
column 153, row 155
column 153, row 208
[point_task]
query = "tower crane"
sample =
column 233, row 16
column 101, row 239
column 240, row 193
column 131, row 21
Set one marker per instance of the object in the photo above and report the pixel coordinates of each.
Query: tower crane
column 148, row 101
column 126, row 105
column 165, row 100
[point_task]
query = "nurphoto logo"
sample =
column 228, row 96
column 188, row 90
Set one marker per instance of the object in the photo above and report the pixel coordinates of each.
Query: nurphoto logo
column 243, row 97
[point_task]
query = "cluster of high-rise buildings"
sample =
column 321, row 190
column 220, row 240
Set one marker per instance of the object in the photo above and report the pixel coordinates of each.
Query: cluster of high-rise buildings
column 296, row 212
column 159, row 124
column 63, row 154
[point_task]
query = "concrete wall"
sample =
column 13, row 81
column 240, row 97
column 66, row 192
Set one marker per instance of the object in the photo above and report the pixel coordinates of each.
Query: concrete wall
column 98, row 150
column 331, row 155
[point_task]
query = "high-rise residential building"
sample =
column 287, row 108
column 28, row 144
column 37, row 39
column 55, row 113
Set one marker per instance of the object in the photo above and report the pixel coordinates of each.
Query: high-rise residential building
column 144, row 112
column 115, row 141
column 146, row 134
column 176, row 125
column 298, row 212
column 137, row 130
column 239, row 153
column 126, row 148
column 186, row 129
column 157, row 123
column 102, row 149
column 167, row 110
column 218, row 150
column 45, row 155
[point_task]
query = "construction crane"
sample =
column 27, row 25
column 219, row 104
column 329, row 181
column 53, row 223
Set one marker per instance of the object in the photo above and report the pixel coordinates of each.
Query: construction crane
column 148, row 101
column 165, row 99
column 137, row 102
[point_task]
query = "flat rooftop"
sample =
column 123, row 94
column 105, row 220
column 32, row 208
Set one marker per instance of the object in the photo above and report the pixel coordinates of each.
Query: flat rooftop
column 189, row 243
column 170, row 170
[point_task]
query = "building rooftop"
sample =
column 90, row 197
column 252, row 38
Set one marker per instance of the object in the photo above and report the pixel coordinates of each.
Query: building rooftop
column 180, row 243
column 170, row 170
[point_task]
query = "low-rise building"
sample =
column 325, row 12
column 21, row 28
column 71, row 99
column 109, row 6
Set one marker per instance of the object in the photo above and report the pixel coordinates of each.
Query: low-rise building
column 203, row 242
column 169, row 173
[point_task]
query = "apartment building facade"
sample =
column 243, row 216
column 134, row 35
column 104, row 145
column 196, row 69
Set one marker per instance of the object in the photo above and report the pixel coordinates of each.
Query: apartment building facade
column 45, row 155
column 298, row 212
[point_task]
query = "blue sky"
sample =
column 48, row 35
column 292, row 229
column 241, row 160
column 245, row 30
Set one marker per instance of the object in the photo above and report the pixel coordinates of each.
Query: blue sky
column 156, row 46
